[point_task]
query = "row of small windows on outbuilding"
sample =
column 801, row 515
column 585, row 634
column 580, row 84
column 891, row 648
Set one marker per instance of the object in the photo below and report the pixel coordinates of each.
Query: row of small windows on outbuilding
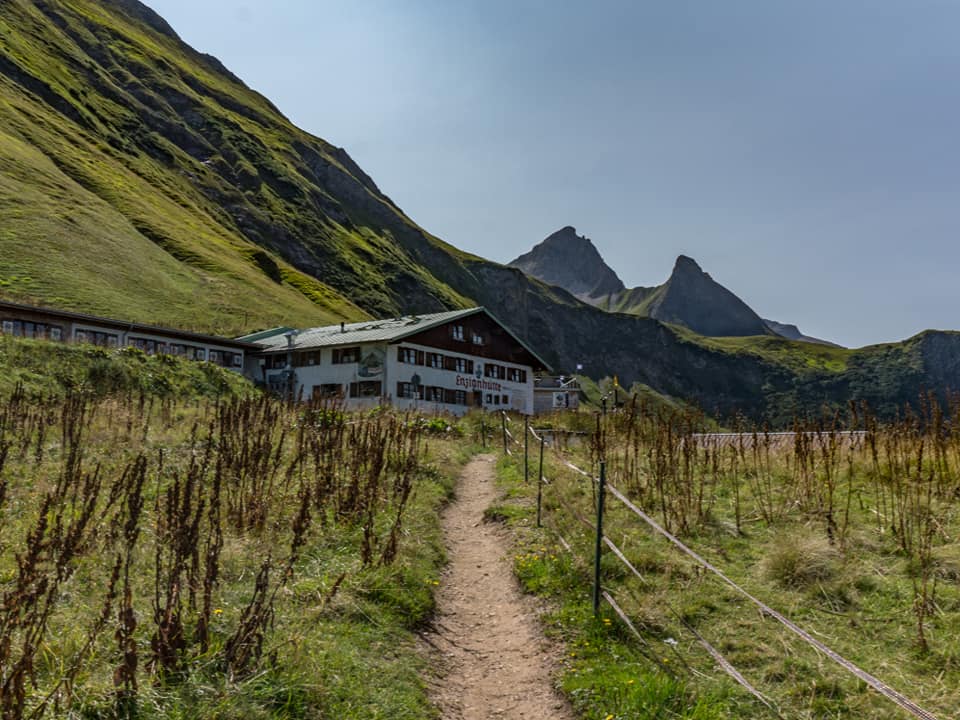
column 45, row 331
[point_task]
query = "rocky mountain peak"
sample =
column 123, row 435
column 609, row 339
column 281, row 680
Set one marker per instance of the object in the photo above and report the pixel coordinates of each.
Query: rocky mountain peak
column 686, row 264
column 572, row 262
column 695, row 300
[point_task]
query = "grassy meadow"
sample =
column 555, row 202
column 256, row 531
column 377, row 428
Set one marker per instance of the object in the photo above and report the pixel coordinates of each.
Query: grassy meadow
column 853, row 537
column 174, row 544
column 218, row 557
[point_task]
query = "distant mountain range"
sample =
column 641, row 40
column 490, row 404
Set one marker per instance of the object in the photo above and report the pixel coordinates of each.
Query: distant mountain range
column 690, row 297
column 141, row 179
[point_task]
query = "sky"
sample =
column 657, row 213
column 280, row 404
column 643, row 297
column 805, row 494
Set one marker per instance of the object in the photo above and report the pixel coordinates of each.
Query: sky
column 806, row 154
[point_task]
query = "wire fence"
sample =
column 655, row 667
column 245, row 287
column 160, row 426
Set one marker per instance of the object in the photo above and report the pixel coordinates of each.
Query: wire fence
column 601, row 488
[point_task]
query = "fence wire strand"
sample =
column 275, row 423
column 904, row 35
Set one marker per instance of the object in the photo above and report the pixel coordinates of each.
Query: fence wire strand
column 878, row 685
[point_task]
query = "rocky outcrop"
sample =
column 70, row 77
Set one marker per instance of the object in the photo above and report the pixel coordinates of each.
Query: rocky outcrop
column 695, row 300
column 792, row 332
column 572, row 262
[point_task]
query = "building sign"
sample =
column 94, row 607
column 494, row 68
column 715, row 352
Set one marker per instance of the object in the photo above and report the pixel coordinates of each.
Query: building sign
column 560, row 400
column 371, row 364
column 470, row 383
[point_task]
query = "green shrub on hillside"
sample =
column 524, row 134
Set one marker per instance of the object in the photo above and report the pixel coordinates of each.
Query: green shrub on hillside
column 49, row 369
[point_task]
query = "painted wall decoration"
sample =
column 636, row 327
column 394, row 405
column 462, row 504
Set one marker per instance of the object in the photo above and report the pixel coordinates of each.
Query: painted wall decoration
column 371, row 363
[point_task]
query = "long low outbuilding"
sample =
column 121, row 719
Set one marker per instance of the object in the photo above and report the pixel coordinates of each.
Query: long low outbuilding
column 29, row 321
column 441, row 362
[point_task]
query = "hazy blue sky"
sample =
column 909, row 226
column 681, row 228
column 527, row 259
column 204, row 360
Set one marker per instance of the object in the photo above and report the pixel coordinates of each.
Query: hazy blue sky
column 805, row 152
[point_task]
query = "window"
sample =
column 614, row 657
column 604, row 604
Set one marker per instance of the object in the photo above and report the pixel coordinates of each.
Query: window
column 8, row 327
column 344, row 356
column 103, row 339
column 201, row 353
column 477, row 338
column 407, row 355
column 409, row 390
column 327, row 390
column 516, row 375
column 306, row 359
column 435, row 394
column 366, row 389
column 506, row 399
column 460, row 397
column 489, row 399
column 215, row 356
column 458, row 364
column 456, row 332
column 498, row 372
column 276, row 362
column 496, row 399
column 236, row 360
column 435, row 360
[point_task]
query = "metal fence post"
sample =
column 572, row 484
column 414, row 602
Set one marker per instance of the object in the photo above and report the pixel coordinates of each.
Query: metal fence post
column 503, row 427
column 540, row 483
column 598, row 546
column 483, row 433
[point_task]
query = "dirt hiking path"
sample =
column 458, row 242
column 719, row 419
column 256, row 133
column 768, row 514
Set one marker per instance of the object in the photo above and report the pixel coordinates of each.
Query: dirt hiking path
column 496, row 662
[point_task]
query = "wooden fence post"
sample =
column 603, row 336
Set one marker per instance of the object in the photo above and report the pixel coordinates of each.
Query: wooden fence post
column 526, row 439
column 540, row 484
column 598, row 546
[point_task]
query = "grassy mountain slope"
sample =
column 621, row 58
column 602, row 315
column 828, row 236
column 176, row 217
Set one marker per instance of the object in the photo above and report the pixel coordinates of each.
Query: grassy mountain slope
column 156, row 177
column 140, row 179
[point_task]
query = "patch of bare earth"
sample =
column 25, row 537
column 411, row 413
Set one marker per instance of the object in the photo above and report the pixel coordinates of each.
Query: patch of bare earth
column 495, row 662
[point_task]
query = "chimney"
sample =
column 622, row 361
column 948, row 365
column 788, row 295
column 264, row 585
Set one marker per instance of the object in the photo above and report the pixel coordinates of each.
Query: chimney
column 290, row 338
column 343, row 327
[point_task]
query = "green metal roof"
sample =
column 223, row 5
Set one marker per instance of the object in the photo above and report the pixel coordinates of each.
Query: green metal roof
column 264, row 334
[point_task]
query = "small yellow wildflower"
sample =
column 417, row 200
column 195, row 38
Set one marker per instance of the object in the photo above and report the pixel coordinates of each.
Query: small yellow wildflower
column 218, row 611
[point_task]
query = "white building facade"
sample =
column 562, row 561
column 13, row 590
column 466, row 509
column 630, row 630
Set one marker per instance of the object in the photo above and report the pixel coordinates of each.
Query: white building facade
column 444, row 362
